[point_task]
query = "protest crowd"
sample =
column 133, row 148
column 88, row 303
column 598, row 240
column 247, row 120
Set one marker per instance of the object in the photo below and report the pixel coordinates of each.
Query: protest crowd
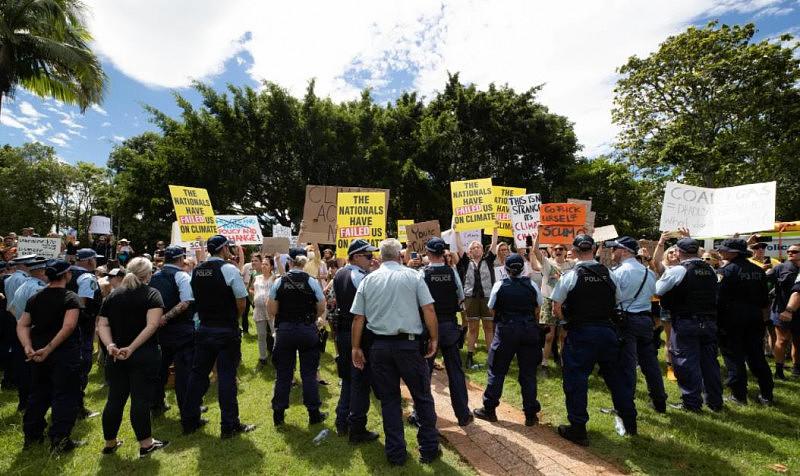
column 391, row 306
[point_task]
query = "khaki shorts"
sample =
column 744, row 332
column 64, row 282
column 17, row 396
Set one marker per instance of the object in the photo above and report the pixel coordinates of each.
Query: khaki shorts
column 477, row 308
column 546, row 315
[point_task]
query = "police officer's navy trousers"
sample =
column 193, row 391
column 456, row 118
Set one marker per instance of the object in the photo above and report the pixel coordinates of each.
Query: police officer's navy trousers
column 584, row 347
column 56, row 385
column 87, row 328
column 351, row 411
column 520, row 338
column 177, row 346
column 742, row 343
column 292, row 338
column 223, row 346
column 137, row 377
column 8, row 334
column 693, row 346
column 449, row 334
column 391, row 361
column 638, row 346
column 22, row 369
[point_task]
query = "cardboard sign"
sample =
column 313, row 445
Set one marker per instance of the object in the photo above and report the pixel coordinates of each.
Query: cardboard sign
column 241, row 229
column 100, row 225
column 558, row 234
column 473, row 206
column 563, row 214
column 401, row 229
column 48, row 247
column 502, row 213
column 525, row 217
column 194, row 212
column 709, row 212
column 590, row 215
column 319, row 212
column 272, row 245
column 604, row 233
column 420, row 233
column 280, row 231
column 359, row 215
column 467, row 237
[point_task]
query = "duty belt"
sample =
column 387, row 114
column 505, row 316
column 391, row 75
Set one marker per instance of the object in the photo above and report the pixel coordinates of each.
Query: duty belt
column 401, row 336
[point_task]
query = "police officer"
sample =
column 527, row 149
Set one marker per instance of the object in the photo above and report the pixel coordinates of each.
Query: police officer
column 351, row 411
column 515, row 301
column 219, row 300
column 85, row 285
column 585, row 298
column 742, row 299
column 388, row 302
column 47, row 331
column 785, row 318
column 296, row 301
column 35, row 281
column 689, row 292
column 176, row 333
column 637, row 285
column 448, row 293
column 8, row 330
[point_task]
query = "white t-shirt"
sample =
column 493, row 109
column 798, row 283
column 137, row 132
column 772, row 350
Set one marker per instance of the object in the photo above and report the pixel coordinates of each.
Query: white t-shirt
column 261, row 286
column 551, row 273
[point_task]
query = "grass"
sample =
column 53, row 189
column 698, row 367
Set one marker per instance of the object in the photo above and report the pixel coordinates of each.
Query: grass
column 740, row 440
column 264, row 451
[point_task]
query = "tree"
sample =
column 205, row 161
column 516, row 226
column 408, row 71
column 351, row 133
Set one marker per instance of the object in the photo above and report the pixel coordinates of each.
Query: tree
column 44, row 47
column 711, row 107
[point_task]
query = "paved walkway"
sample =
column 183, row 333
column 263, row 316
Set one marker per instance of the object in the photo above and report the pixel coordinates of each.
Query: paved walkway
column 508, row 446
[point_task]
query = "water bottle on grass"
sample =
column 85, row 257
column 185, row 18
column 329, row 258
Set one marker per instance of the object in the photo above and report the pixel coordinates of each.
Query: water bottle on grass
column 320, row 437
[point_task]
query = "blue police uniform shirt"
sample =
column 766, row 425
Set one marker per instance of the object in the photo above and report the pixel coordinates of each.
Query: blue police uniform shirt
column 630, row 274
column 390, row 298
column 87, row 284
column 459, row 285
column 25, row 292
column 357, row 273
column 13, row 283
column 312, row 282
column 232, row 278
column 184, row 283
column 570, row 278
column 496, row 288
column 671, row 278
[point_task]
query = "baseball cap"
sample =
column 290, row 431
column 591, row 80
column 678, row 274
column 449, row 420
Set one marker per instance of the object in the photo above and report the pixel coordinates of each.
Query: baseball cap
column 358, row 246
column 758, row 246
column 38, row 262
column 688, row 245
column 85, row 254
column 172, row 252
column 55, row 268
column 624, row 242
column 735, row 245
column 514, row 263
column 296, row 251
column 583, row 242
column 437, row 245
column 23, row 260
column 215, row 243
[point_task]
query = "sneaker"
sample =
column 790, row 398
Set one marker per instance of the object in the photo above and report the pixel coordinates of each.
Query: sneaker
column 109, row 450
column 363, row 437
column 157, row 445
column 203, row 408
column 240, row 428
column 532, row 420
column 413, row 420
column 485, row 414
column 735, row 400
column 316, row 416
column 574, row 433
column 188, row 430
column 682, row 407
column 428, row 459
column 84, row 414
column 671, row 374
column 767, row 402
column 658, row 408
column 66, row 445
column 323, row 382
column 466, row 420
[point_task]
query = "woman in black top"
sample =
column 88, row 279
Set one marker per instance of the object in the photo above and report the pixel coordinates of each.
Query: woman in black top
column 127, row 324
column 47, row 334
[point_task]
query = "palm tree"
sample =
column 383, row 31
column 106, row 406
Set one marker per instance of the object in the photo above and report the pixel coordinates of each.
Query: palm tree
column 44, row 48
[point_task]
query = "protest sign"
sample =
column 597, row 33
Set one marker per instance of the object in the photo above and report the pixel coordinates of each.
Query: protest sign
column 563, row 214
column 590, row 215
column 525, row 214
column 502, row 215
column 467, row 237
column 420, row 233
column 175, row 239
column 194, row 212
column 709, row 212
column 272, row 245
column 604, row 233
column 100, row 225
column 319, row 212
column 473, row 207
column 558, row 234
column 241, row 229
column 47, row 247
column 401, row 229
column 359, row 215
column 280, row 231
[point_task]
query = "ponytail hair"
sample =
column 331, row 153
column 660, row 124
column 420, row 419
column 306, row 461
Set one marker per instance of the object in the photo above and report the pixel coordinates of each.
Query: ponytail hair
column 138, row 272
column 300, row 261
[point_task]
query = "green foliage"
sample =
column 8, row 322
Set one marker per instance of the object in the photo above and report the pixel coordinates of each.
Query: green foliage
column 713, row 108
column 44, row 47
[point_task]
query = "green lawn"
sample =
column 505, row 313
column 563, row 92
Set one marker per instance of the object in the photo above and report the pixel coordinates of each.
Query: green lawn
column 740, row 440
column 264, row 451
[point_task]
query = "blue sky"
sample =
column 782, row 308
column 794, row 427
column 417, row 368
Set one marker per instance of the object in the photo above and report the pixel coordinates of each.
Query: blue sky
column 151, row 48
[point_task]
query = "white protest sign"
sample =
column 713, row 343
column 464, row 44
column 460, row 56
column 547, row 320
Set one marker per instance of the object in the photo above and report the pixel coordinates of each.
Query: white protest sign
column 467, row 237
column 525, row 210
column 709, row 212
column 605, row 233
column 47, row 247
column 100, row 225
column 241, row 229
column 280, row 231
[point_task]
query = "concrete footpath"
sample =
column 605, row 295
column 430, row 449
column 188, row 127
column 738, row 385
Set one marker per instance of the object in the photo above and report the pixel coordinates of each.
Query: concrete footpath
column 508, row 446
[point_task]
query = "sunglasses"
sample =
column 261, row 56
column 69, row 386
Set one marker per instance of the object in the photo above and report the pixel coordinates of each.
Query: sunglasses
column 559, row 249
column 367, row 255
column 708, row 259
column 791, row 252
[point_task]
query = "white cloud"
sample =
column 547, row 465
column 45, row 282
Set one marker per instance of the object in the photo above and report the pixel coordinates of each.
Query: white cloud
column 105, row 124
column 61, row 139
column 118, row 138
column 573, row 48
column 99, row 110
column 71, row 124
column 27, row 109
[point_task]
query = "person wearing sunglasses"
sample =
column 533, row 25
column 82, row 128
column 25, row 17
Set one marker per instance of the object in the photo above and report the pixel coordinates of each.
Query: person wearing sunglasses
column 784, row 315
column 712, row 258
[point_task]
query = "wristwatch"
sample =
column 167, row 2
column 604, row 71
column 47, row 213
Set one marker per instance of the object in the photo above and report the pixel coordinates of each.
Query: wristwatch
column 789, row 310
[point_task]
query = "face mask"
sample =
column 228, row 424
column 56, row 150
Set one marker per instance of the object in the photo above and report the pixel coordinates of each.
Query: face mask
column 310, row 255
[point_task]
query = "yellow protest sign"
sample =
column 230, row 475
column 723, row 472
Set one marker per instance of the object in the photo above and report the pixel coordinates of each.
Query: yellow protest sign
column 401, row 229
column 503, row 213
column 473, row 207
column 194, row 212
column 359, row 215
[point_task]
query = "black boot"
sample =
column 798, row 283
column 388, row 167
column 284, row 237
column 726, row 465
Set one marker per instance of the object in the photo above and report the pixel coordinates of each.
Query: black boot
column 485, row 414
column 574, row 433
column 779, row 371
column 316, row 416
column 469, row 360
